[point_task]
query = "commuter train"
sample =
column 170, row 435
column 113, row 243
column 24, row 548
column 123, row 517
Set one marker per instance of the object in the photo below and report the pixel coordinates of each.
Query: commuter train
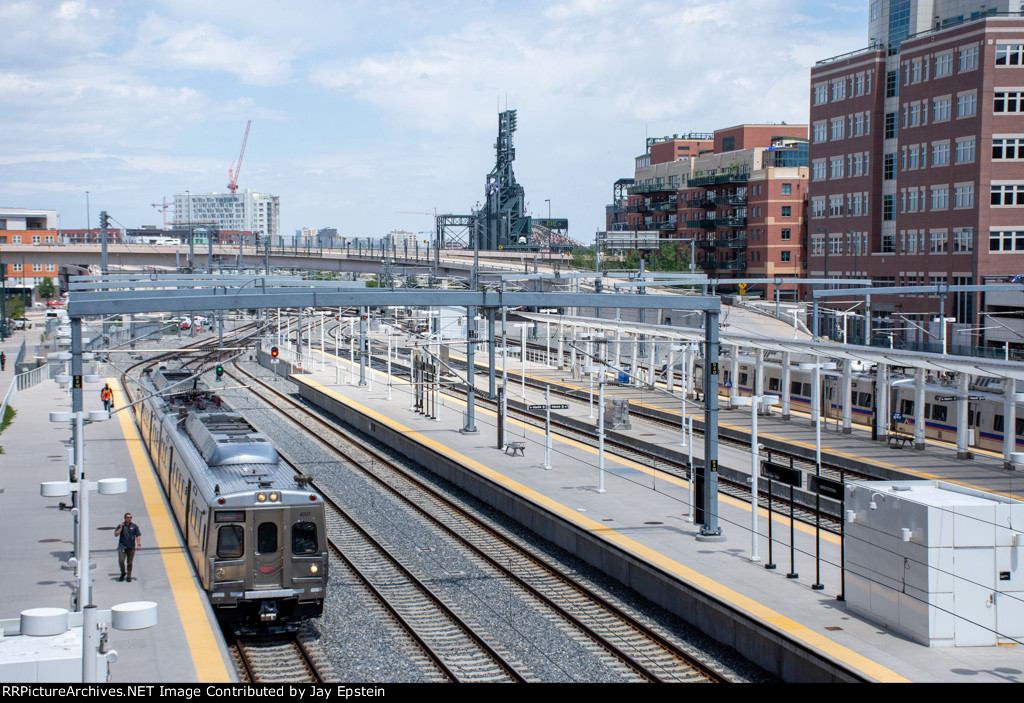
column 984, row 412
column 253, row 529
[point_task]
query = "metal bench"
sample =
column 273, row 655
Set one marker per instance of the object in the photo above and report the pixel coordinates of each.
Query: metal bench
column 899, row 439
column 517, row 448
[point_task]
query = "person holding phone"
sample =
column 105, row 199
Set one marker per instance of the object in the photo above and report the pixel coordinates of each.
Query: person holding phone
column 129, row 539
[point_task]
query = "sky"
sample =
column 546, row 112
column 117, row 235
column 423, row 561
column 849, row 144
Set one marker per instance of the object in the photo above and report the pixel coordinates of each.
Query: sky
column 370, row 116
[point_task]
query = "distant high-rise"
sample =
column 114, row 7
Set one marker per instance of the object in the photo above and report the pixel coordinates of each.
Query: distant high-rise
column 248, row 211
column 917, row 160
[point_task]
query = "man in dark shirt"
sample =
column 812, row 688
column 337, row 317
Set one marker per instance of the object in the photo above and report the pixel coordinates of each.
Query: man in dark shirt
column 129, row 539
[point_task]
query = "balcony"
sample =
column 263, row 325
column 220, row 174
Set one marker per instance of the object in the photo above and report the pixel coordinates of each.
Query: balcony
column 702, row 224
column 732, row 222
column 641, row 188
column 664, row 205
column 718, row 179
column 704, row 203
column 736, row 200
column 730, row 243
column 738, row 264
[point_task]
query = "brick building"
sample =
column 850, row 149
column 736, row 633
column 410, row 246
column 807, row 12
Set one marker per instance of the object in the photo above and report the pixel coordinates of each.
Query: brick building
column 917, row 163
column 736, row 196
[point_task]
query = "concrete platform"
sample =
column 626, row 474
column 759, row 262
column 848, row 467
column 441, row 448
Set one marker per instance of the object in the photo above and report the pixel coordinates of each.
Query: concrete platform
column 185, row 645
column 639, row 530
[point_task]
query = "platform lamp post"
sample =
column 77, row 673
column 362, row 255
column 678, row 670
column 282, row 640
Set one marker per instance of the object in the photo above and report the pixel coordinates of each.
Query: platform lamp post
column 755, row 454
column 816, row 368
column 56, row 489
column 600, row 422
column 942, row 321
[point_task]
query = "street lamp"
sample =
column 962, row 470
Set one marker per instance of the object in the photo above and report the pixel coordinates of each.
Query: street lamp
column 816, row 420
column 600, row 422
column 942, row 333
column 754, row 401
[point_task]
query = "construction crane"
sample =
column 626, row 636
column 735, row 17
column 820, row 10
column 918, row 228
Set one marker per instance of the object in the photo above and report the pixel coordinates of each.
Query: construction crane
column 162, row 209
column 233, row 173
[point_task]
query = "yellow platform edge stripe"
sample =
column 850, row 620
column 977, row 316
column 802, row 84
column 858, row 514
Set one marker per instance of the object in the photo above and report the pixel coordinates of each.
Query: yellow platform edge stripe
column 199, row 634
column 795, row 629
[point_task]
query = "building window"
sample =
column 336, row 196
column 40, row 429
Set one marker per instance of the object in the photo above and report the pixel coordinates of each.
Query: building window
column 940, row 197
column 839, row 89
column 940, row 154
column 891, row 83
column 787, row 188
column 1009, row 54
column 963, row 196
column 937, row 241
column 818, row 245
column 967, row 104
column 37, row 268
column 787, row 211
column 820, row 170
column 785, row 256
column 820, row 131
column 1008, row 101
column 1007, row 194
column 837, row 128
column 51, row 267
column 835, row 206
column 820, row 94
column 965, row 150
column 785, row 234
column 17, row 267
column 941, row 109
column 969, row 59
column 963, row 240
column 913, row 115
column 818, row 207
column 836, row 167
column 1007, row 148
column 915, row 72
column 1006, row 241
column 889, row 167
column 887, row 208
column 944, row 65
column 890, row 125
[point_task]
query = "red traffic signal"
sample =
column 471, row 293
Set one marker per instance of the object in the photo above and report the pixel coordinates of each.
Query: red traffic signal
column 273, row 352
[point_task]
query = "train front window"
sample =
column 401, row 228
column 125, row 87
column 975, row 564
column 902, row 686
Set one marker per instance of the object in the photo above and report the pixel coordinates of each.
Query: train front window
column 304, row 538
column 266, row 538
column 230, row 542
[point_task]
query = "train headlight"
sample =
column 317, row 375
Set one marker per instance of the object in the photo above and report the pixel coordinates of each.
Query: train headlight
column 313, row 568
column 219, row 573
column 274, row 496
column 261, row 497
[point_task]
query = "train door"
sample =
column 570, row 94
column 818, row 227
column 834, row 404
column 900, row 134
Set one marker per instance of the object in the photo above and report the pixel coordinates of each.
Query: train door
column 832, row 397
column 268, row 555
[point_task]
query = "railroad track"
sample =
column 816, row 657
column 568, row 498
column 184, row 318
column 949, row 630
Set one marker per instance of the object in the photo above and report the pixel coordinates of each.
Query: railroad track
column 635, row 650
column 277, row 658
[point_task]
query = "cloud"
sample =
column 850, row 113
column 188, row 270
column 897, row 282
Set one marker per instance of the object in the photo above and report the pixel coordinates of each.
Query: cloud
column 169, row 45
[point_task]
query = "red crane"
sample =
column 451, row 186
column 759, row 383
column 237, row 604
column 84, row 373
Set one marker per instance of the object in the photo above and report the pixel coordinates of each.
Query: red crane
column 233, row 173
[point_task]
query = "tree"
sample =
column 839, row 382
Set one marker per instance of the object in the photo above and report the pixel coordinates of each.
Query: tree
column 46, row 289
column 15, row 307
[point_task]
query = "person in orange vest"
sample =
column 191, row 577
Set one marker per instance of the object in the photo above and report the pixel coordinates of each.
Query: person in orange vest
column 107, row 396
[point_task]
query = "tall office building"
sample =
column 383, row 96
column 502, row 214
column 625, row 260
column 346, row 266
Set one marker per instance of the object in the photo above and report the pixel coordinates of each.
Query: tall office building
column 917, row 163
column 247, row 211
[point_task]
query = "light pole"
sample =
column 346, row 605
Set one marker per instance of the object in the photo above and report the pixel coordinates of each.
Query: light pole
column 600, row 422
column 816, row 420
column 754, row 401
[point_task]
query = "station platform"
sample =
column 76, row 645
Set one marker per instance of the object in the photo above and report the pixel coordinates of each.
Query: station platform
column 186, row 644
column 645, row 516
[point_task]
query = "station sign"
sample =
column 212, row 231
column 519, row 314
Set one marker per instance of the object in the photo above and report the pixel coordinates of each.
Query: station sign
column 784, row 474
column 559, row 406
column 826, row 487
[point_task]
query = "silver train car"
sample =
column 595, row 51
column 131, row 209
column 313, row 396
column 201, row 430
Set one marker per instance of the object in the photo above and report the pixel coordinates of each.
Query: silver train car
column 254, row 531
column 984, row 416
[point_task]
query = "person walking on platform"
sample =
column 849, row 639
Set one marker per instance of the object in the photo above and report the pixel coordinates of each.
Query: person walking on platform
column 129, row 538
column 107, row 396
column 3, row 361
